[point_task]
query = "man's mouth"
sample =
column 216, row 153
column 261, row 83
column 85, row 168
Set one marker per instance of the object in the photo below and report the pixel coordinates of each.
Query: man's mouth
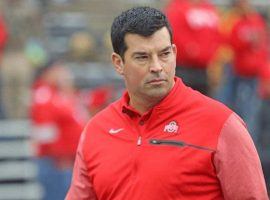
column 156, row 81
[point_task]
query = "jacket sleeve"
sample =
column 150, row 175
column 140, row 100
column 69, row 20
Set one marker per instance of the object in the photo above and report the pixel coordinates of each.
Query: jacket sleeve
column 81, row 187
column 237, row 163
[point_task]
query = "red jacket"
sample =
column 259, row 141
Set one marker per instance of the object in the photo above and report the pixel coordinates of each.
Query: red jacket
column 174, row 151
column 195, row 32
column 58, row 121
column 249, row 42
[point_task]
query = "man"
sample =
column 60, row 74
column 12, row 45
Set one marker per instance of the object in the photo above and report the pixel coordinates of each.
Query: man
column 162, row 140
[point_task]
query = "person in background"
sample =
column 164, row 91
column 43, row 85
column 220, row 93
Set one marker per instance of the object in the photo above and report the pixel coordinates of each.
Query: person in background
column 162, row 139
column 224, row 55
column 58, row 119
column 3, row 35
column 264, row 120
column 195, row 27
column 99, row 98
column 248, row 41
column 3, row 42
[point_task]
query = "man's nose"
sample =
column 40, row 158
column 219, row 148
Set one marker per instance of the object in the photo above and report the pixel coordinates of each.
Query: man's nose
column 155, row 65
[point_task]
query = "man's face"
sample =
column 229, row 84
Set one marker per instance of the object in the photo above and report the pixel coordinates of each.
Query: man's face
column 149, row 65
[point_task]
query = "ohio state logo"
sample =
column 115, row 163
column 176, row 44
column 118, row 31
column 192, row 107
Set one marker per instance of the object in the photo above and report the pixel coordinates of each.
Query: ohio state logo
column 172, row 127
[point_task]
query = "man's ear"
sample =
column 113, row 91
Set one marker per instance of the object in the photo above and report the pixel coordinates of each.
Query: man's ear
column 118, row 63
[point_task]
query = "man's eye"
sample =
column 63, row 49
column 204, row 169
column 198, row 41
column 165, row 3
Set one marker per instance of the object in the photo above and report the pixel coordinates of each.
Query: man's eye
column 141, row 57
column 165, row 54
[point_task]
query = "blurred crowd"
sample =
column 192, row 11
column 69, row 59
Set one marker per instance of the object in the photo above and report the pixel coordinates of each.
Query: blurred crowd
column 62, row 77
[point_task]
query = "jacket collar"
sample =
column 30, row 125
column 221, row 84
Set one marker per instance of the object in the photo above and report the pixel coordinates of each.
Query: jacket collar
column 169, row 101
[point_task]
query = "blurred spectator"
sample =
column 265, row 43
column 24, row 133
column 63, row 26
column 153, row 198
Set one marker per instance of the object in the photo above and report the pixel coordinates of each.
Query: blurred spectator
column 58, row 119
column 248, row 40
column 35, row 53
column 3, row 35
column 82, row 46
column 264, row 121
column 18, row 68
column 264, row 82
column 224, row 54
column 100, row 97
column 195, row 27
column 3, row 41
column 16, row 74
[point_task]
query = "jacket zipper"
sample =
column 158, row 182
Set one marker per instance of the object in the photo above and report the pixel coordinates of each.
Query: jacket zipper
column 178, row 143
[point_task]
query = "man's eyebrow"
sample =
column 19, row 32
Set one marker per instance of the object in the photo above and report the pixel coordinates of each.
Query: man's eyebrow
column 142, row 53
column 166, row 48
column 139, row 53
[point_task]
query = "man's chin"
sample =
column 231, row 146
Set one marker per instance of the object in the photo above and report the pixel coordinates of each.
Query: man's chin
column 157, row 92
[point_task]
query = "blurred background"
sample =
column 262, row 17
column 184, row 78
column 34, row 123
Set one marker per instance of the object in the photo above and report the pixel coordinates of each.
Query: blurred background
column 55, row 74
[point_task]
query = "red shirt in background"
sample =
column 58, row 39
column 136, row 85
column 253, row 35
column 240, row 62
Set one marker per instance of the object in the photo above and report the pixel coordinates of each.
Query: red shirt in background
column 195, row 31
column 58, row 120
column 99, row 98
column 249, row 42
column 3, row 34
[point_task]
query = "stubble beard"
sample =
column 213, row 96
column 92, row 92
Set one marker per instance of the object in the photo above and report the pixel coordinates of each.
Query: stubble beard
column 156, row 93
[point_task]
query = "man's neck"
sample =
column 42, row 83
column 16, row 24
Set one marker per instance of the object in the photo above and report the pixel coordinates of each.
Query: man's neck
column 143, row 105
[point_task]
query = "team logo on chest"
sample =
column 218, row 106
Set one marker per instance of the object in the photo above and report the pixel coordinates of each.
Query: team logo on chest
column 172, row 127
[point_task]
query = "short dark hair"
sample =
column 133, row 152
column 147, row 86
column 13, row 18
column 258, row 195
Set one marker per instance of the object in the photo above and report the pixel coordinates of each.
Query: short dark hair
column 139, row 20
